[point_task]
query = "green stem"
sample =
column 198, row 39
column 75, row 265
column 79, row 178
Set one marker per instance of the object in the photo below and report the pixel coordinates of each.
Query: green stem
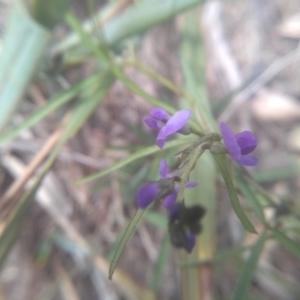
column 203, row 144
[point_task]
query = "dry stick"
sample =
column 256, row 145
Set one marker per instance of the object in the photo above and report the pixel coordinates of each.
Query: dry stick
column 16, row 187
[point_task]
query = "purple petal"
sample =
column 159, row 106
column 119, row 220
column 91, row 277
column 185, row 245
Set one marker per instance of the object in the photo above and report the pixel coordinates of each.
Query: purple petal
column 247, row 160
column 146, row 194
column 159, row 114
column 177, row 121
column 191, row 184
column 190, row 243
column 169, row 200
column 163, row 168
column 151, row 123
column 161, row 138
column 247, row 142
column 230, row 141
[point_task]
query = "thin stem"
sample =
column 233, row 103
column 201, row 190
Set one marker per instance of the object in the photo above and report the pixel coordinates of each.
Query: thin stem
column 203, row 144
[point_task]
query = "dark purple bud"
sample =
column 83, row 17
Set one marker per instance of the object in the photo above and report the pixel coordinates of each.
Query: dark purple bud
column 146, row 194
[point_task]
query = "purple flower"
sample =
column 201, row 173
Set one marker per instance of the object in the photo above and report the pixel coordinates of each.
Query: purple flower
column 165, row 188
column 240, row 145
column 165, row 124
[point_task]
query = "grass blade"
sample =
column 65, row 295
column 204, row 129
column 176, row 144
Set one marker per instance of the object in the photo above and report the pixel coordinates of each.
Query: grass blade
column 249, row 269
column 163, row 256
column 139, row 18
column 17, row 67
column 233, row 196
column 288, row 243
column 251, row 197
column 125, row 238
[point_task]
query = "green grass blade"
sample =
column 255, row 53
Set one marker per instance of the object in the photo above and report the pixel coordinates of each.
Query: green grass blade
column 138, row 18
column 139, row 154
column 251, row 197
column 125, row 238
column 288, row 243
column 17, row 67
column 164, row 253
column 49, row 13
column 233, row 196
column 248, row 269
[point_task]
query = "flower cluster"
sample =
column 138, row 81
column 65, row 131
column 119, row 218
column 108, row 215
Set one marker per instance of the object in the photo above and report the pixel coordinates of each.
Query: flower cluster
column 184, row 223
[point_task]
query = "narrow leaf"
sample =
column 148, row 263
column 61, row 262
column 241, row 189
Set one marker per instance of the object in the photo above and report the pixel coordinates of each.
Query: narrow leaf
column 287, row 242
column 49, row 13
column 251, row 197
column 23, row 45
column 140, row 17
column 233, row 196
column 163, row 256
column 127, row 235
column 248, row 269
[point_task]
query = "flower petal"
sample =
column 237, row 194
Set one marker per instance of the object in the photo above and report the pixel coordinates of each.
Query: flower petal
column 191, row 184
column 161, row 137
column 169, row 200
column 230, row 141
column 159, row 114
column 190, row 242
column 177, row 121
column 247, row 142
column 151, row 123
column 247, row 160
column 146, row 194
column 163, row 168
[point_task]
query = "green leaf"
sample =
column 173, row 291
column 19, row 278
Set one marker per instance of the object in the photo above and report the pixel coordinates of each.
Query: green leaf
column 287, row 242
column 139, row 154
column 127, row 235
column 232, row 193
column 137, row 18
column 251, row 197
column 49, row 13
column 164, row 253
column 248, row 269
column 23, row 44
